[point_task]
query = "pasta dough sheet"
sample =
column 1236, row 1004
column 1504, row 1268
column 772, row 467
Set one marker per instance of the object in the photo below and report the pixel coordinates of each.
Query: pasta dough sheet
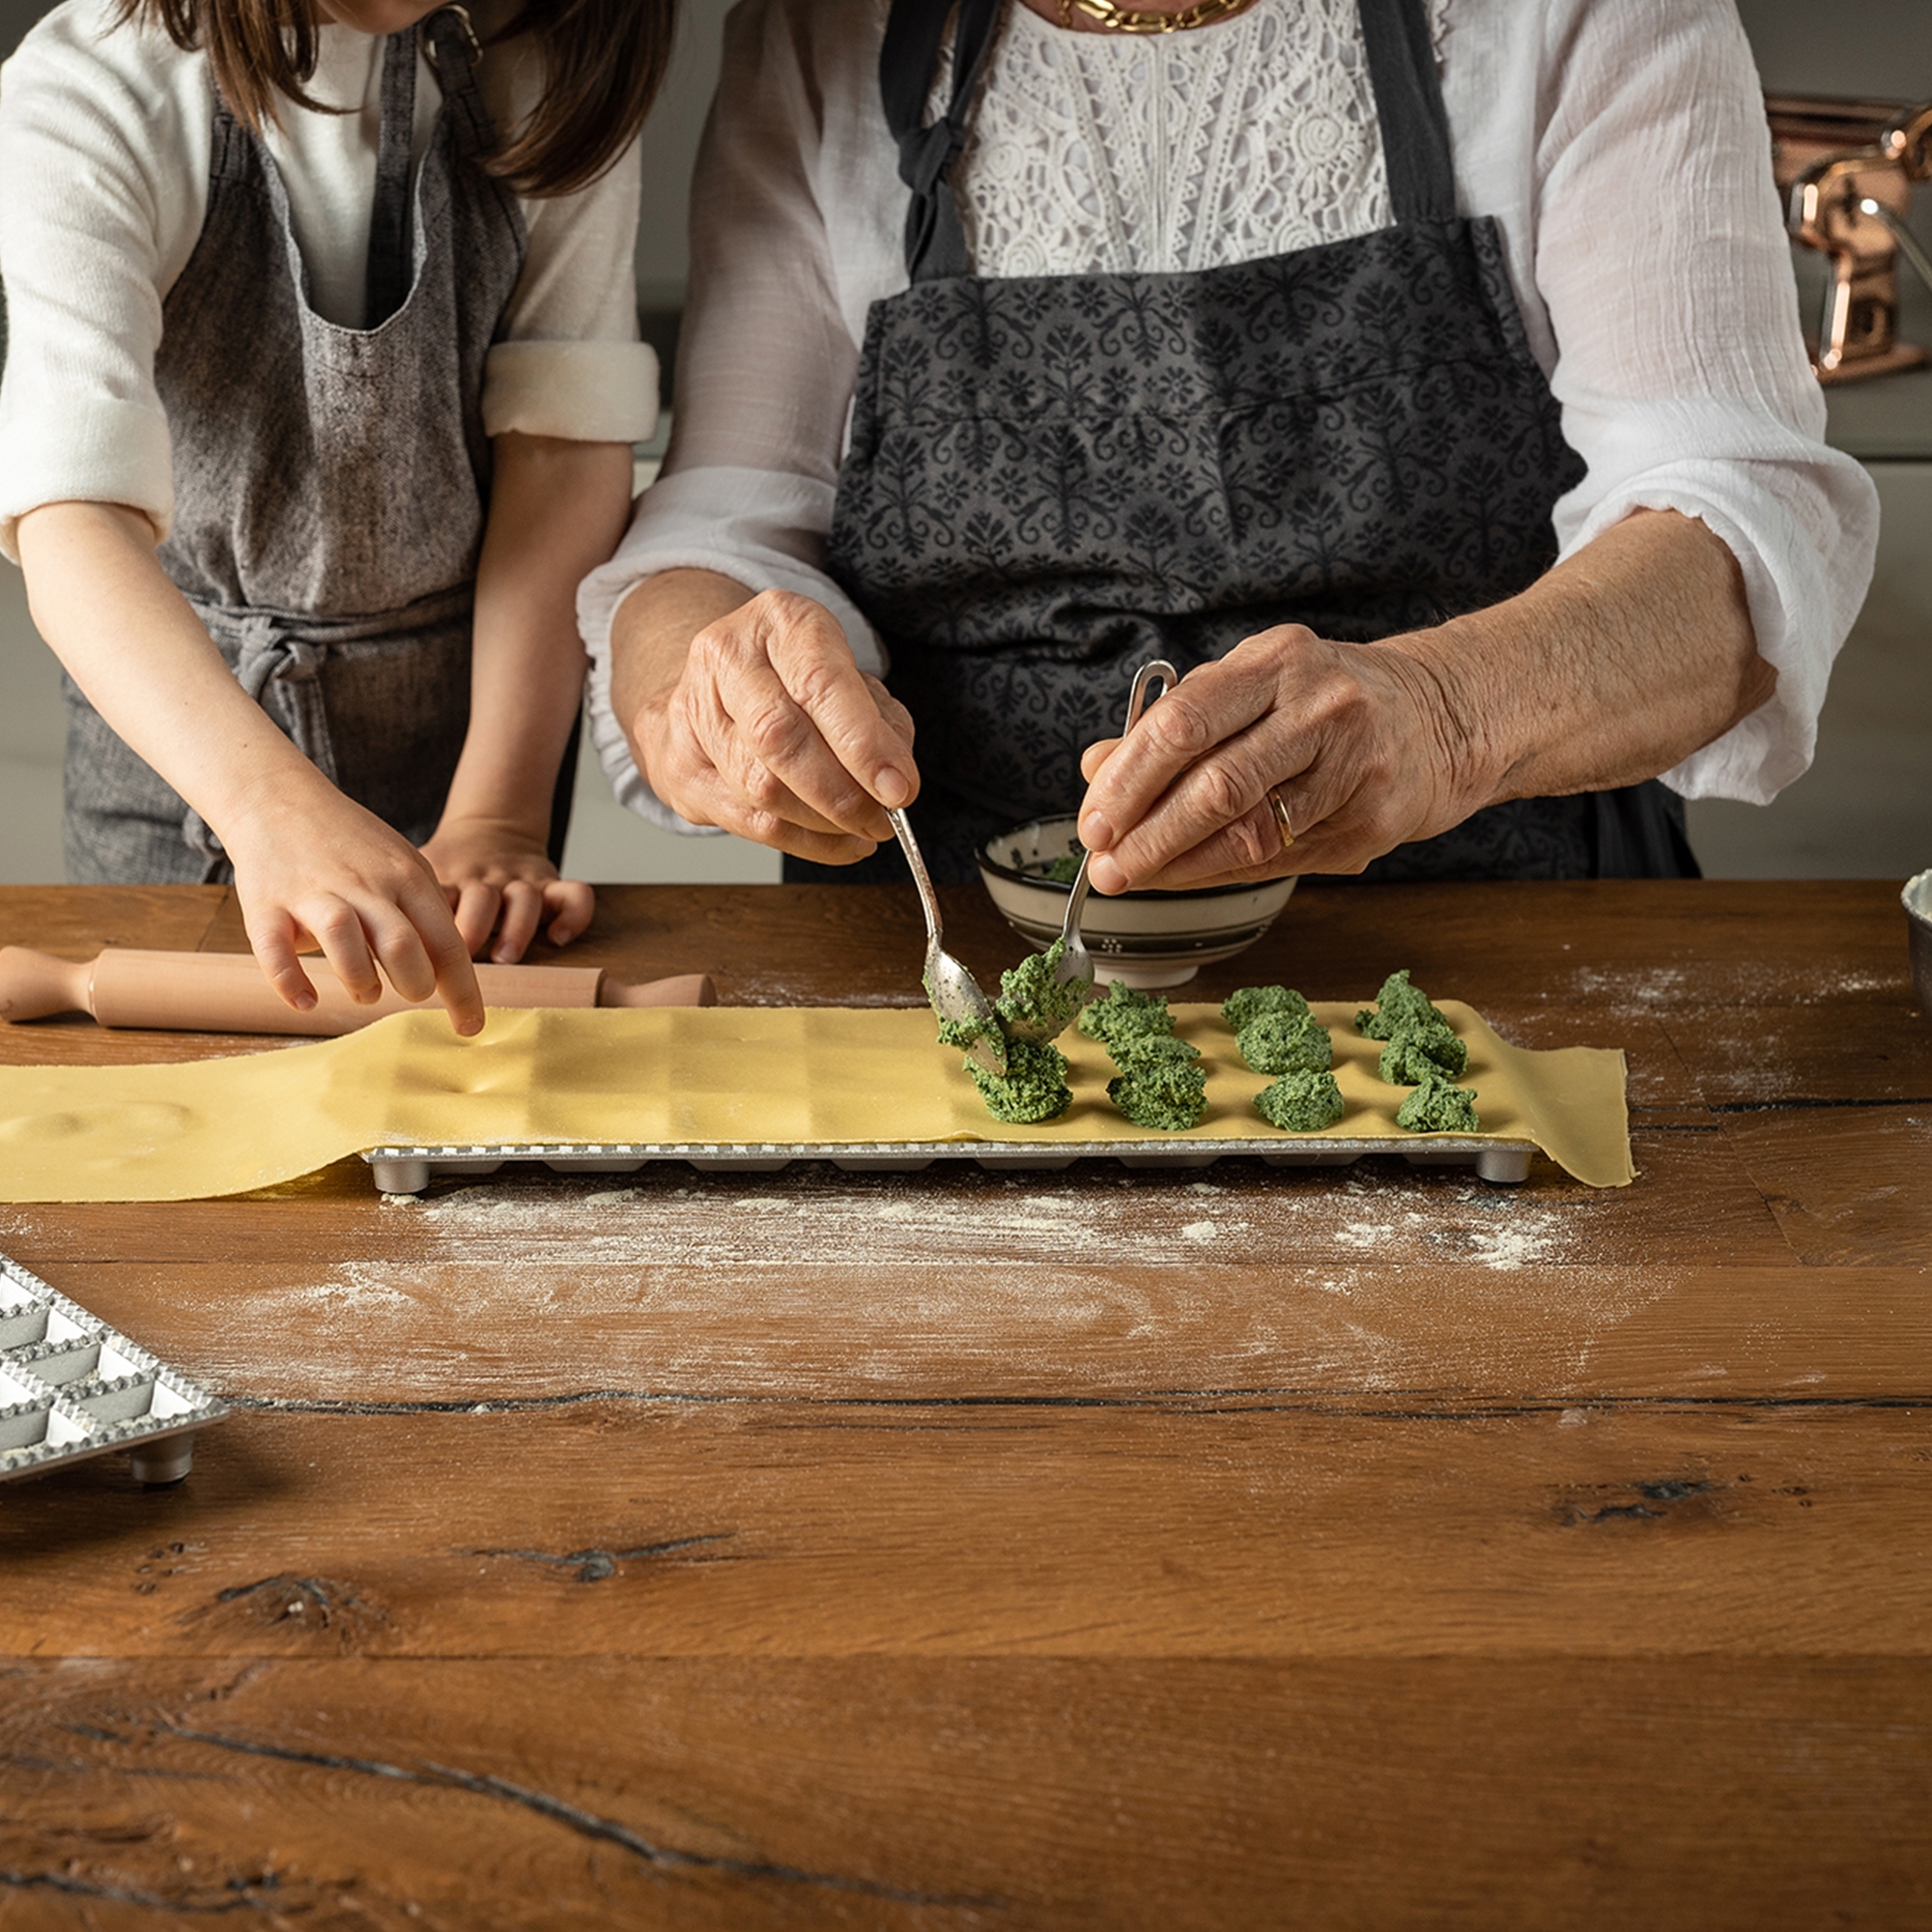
column 689, row 1074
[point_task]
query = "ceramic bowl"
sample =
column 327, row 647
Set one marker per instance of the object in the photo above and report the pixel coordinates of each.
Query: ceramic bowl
column 1142, row 939
column 1917, row 898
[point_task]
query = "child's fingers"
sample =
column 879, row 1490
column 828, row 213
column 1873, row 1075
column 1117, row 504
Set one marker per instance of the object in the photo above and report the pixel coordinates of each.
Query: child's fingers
column 523, row 907
column 338, row 932
column 438, row 945
column 571, row 905
column 476, row 910
column 275, row 952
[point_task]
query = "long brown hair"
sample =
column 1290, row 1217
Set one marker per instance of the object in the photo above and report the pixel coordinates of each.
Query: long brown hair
column 603, row 61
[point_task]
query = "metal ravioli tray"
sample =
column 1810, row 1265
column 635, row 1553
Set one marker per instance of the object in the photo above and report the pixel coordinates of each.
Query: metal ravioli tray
column 73, row 1387
column 409, row 1170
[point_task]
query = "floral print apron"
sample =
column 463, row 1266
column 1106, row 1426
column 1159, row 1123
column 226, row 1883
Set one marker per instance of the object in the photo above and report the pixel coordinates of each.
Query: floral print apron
column 1051, row 480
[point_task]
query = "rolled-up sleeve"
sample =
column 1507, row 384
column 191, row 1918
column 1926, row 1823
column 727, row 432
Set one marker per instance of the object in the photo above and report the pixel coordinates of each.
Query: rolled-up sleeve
column 89, row 220
column 766, row 364
column 570, row 363
column 1662, row 259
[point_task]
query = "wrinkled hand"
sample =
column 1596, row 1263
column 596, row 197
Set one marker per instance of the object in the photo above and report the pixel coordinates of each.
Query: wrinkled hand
column 313, row 868
column 499, row 880
column 772, row 731
column 1360, row 741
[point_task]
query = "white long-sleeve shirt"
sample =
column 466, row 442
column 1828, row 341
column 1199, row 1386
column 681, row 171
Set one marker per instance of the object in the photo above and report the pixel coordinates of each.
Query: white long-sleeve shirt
column 106, row 135
column 1621, row 145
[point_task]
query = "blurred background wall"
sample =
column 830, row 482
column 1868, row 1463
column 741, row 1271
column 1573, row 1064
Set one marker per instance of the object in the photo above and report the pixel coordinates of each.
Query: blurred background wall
column 1863, row 810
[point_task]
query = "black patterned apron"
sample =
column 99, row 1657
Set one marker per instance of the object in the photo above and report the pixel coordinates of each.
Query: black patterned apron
column 1052, row 479
column 331, row 483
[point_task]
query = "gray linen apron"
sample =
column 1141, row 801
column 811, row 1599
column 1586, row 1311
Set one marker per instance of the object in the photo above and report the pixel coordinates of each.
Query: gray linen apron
column 331, row 483
column 1053, row 479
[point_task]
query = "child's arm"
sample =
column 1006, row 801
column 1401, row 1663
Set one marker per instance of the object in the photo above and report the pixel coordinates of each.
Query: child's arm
column 556, row 510
column 307, row 859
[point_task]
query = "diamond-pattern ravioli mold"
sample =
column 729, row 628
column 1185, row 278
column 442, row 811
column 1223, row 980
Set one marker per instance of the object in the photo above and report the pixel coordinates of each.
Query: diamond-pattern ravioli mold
column 73, row 1387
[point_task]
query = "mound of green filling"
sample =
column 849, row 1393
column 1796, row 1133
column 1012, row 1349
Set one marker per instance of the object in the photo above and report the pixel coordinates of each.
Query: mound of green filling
column 1418, row 1053
column 1398, row 1005
column 1031, row 997
column 1124, row 1015
column 1161, row 1084
column 1035, row 1086
column 1243, row 1008
column 1301, row 1103
column 1285, row 1042
column 1438, row 1107
column 1064, row 871
column 1153, row 1049
column 962, row 1034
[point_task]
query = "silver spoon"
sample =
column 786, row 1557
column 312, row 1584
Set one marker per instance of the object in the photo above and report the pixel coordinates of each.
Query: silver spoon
column 1075, row 962
column 952, row 990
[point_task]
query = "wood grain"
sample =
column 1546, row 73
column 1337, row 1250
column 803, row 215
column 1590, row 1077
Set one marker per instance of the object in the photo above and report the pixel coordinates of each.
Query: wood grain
column 1371, row 1338
column 1375, row 1549
column 1701, row 1795
column 1272, row 1524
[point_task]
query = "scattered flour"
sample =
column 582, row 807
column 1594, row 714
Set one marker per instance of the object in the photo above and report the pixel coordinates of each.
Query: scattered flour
column 816, row 1215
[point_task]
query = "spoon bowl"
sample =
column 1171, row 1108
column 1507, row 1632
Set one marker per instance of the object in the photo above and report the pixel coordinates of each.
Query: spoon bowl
column 954, row 991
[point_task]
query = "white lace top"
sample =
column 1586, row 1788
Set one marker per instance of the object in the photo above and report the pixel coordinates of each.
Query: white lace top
column 1621, row 146
column 1112, row 152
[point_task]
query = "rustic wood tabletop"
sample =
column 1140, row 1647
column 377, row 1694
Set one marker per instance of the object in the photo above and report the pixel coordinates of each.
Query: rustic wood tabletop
column 1101, row 1548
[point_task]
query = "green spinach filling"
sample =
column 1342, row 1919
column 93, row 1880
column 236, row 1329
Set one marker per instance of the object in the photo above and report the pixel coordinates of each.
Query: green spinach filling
column 1397, row 1005
column 1161, row 1082
column 1122, row 1014
column 1032, row 999
column 1301, row 1103
column 1419, row 1052
column 1242, row 1008
column 1279, row 1042
column 1034, row 1087
column 1438, row 1107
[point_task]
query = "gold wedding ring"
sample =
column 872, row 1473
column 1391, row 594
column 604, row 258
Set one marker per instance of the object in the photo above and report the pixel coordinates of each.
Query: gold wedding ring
column 1280, row 811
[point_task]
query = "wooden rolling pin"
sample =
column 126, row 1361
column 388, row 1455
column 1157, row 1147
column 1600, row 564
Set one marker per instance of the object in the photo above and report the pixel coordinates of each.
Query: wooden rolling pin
column 226, row 992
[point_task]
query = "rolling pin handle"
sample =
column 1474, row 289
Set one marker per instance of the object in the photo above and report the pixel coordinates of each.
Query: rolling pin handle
column 33, row 985
column 685, row 989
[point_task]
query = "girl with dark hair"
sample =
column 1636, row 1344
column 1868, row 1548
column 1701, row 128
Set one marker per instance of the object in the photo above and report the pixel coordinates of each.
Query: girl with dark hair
column 320, row 386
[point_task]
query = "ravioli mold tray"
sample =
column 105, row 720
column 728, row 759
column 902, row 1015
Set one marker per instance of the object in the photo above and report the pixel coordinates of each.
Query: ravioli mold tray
column 409, row 1170
column 72, row 1387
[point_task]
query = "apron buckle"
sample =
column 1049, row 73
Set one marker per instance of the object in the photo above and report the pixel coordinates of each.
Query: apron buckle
column 462, row 15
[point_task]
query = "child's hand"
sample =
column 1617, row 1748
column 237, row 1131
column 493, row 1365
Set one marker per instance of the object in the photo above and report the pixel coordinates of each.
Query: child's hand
column 499, row 880
column 313, row 868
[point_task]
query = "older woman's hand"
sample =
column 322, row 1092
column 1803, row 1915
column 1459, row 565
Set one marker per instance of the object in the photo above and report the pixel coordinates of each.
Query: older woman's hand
column 1609, row 669
column 752, row 713
column 1361, row 742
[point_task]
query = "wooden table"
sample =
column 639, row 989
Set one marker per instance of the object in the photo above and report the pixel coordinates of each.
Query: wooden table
column 1372, row 1547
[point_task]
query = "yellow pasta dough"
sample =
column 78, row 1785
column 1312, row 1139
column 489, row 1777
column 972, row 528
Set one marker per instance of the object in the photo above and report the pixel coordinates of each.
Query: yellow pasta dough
column 718, row 1075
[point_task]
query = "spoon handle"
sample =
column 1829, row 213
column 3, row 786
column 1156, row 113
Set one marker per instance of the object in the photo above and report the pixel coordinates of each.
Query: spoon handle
column 1137, row 701
column 1137, row 697
column 928, row 899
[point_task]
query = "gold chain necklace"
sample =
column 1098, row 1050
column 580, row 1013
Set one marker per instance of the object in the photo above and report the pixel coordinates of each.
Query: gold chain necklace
column 1123, row 21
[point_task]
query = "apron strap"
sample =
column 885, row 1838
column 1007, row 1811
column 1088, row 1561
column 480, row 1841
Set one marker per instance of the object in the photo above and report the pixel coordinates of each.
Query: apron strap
column 454, row 54
column 1408, row 104
column 935, row 240
column 391, row 259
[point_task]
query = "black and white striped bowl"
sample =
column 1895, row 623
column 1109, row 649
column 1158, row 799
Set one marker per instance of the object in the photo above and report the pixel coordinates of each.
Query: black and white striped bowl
column 1143, row 939
column 1917, row 898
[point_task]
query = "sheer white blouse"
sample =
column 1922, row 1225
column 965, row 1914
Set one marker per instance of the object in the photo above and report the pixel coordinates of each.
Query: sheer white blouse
column 1621, row 144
